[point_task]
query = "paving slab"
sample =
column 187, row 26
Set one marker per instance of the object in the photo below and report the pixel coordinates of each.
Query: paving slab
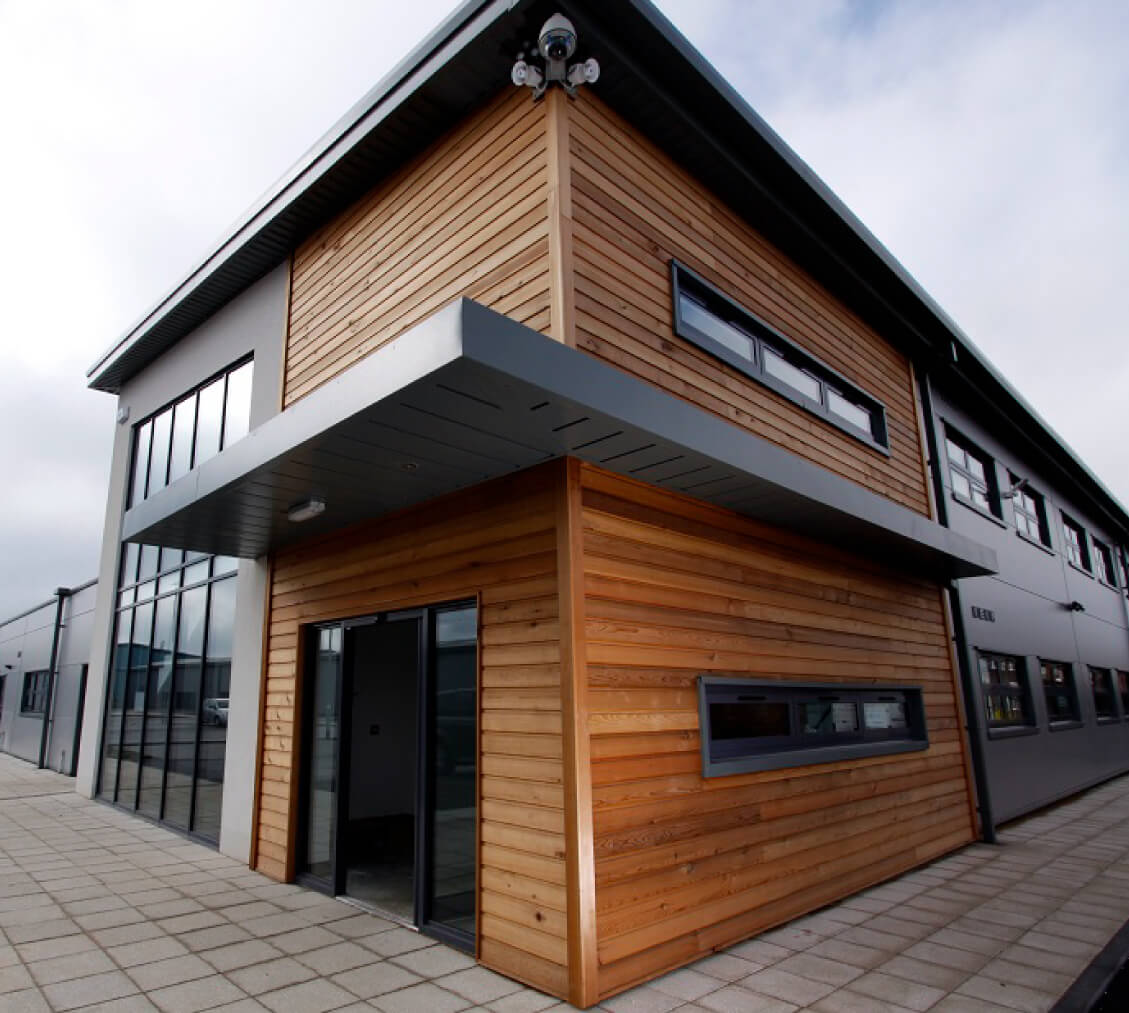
column 102, row 910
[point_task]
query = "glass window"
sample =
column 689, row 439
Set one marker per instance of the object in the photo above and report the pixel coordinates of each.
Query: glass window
column 185, row 707
column 1060, row 691
column 173, row 441
column 157, row 693
column 1123, row 692
column 1003, row 685
column 134, row 705
column 130, row 555
column 216, row 692
column 141, row 462
column 1074, row 540
column 237, row 411
column 751, row 725
column 183, row 426
column 1103, row 563
column 776, row 365
column 34, row 699
column 209, row 421
column 970, row 475
column 159, row 455
column 115, row 704
column 697, row 316
column 717, row 325
column 150, row 555
column 1030, row 513
column 1101, row 682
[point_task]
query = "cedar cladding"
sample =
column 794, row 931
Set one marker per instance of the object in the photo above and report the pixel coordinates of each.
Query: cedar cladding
column 633, row 210
column 467, row 218
column 684, row 865
column 496, row 543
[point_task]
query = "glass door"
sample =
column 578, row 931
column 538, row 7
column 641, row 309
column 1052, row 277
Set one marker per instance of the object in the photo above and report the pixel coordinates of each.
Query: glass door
column 389, row 774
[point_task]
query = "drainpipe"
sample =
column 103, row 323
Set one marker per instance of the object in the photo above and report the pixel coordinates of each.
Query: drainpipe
column 62, row 594
column 967, row 681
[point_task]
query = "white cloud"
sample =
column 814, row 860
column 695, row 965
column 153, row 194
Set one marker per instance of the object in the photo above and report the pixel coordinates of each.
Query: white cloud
column 985, row 144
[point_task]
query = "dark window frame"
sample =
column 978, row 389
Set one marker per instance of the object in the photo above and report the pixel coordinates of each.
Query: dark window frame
column 140, row 495
column 1121, row 689
column 960, row 468
column 991, row 692
column 33, row 697
column 1077, row 550
column 1030, row 510
column 1104, row 568
column 1071, row 687
column 761, row 335
column 799, row 748
column 1097, row 672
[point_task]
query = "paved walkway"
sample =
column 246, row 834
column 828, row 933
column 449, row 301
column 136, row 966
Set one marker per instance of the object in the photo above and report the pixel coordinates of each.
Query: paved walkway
column 102, row 911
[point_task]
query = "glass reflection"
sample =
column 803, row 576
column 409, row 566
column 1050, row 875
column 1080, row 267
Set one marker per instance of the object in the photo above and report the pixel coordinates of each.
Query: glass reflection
column 159, row 456
column 157, row 707
column 185, row 707
column 141, row 463
column 129, row 563
column 149, row 556
column 134, row 704
column 212, row 748
column 453, row 761
column 184, row 421
column 119, row 669
column 323, row 736
column 209, row 421
column 237, row 413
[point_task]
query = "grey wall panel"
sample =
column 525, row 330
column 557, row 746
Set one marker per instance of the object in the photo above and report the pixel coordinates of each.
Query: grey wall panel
column 1023, row 610
column 252, row 323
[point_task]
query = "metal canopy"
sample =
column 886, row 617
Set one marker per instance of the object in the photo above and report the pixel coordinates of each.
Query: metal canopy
column 470, row 395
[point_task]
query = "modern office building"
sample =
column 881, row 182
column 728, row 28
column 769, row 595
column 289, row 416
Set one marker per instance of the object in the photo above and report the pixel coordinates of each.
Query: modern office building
column 44, row 659
column 538, row 519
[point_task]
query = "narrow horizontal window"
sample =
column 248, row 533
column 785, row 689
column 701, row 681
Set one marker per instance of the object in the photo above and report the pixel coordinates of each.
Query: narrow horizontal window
column 749, row 725
column 715, row 323
column 1004, row 689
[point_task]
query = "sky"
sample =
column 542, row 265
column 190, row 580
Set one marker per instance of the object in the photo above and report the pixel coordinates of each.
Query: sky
column 986, row 144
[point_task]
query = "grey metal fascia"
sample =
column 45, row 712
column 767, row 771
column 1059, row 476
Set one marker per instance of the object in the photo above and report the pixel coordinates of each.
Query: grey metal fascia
column 362, row 119
column 508, row 357
column 504, row 345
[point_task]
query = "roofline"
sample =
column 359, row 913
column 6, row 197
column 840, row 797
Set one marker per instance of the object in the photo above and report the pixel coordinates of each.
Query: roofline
column 458, row 31
column 71, row 592
column 304, row 170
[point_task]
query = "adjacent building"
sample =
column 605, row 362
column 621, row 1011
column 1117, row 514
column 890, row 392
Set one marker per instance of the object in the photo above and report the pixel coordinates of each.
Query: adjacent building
column 539, row 520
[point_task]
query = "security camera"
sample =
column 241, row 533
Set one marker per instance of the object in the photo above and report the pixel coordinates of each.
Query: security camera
column 557, row 41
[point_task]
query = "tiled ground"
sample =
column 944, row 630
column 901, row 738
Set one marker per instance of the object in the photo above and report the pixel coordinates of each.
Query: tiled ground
column 101, row 911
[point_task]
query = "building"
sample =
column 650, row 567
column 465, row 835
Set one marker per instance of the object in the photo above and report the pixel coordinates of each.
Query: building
column 533, row 520
column 44, row 659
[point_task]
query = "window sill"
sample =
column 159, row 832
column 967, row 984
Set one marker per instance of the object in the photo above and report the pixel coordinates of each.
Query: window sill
column 1033, row 541
column 1011, row 731
column 1106, row 583
column 1081, row 569
column 969, row 505
column 1064, row 726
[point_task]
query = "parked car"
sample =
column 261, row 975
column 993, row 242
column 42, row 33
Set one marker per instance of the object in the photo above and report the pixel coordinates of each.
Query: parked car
column 215, row 710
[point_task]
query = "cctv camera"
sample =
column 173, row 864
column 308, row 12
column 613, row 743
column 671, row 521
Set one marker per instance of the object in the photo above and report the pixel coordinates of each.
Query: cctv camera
column 557, row 41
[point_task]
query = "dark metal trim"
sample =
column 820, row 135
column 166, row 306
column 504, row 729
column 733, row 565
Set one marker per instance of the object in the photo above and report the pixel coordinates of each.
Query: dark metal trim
column 62, row 594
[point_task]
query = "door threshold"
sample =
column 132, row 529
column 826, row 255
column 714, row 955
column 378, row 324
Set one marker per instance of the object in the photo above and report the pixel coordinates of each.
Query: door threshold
column 380, row 912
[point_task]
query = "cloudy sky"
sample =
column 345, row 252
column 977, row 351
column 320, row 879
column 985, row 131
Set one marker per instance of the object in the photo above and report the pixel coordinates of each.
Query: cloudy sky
column 986, row 144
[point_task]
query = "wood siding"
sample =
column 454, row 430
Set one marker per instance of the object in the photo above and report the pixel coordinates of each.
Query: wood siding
column 468, row 218
column 497, row 543
column 632, row 211
column 685, row 865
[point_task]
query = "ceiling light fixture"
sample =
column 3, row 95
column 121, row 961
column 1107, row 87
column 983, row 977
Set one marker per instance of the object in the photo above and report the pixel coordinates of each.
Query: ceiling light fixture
column 306, row 511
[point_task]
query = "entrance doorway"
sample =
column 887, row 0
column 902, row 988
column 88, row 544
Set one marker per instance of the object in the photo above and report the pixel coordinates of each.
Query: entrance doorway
column 389, row 766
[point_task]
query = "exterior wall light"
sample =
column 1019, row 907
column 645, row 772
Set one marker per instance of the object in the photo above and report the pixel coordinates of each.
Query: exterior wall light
column 306, row 511
column 556, row 44
column 1075, row 606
